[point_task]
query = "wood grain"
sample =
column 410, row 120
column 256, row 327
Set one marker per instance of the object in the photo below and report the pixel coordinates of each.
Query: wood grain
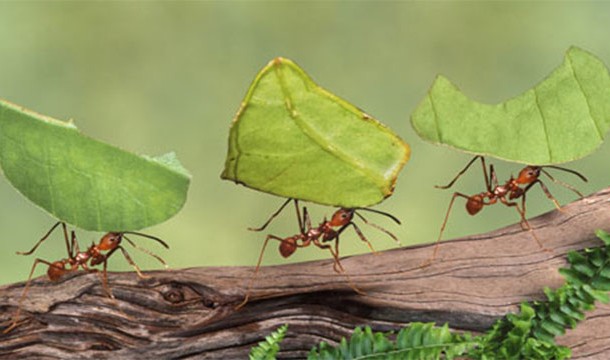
column 190, row 313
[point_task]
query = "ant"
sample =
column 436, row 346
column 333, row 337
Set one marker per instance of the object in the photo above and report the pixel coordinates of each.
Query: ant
column 95, row 255
column 327, row 231
column 513, row 189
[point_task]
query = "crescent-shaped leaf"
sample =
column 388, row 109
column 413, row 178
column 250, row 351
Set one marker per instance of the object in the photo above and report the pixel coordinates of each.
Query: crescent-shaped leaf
column 563, row 118
column 85, row 182
column 294, row 139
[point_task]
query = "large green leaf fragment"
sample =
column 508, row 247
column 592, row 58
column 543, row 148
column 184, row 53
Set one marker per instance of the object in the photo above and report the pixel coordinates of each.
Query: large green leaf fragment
column 294, row 139
column 563, row 118
column 85, row 182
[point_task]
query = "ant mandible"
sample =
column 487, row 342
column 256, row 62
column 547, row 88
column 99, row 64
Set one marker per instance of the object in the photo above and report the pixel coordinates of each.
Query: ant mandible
column 327, row 231
column 513, row 189
column 95, row 255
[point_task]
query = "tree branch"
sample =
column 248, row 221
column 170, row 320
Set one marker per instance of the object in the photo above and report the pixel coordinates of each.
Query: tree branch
column 191, row 312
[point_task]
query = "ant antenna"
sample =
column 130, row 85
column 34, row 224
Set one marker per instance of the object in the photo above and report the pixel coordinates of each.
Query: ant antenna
column 276, row 213
column 147, row 236
column 573, row 172
column 379, row 227
column 394, row 218
column 146, row 251
column 565, row 185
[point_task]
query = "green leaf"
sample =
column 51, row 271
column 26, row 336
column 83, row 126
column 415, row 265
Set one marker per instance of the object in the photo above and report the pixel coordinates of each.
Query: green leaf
column 603, row 236
column 598, row 295
column 563, row 118
column 416, row 341
column 85, row 182
column 268, row 349
column 552, row 327
column 600, row 283
column 294, row 139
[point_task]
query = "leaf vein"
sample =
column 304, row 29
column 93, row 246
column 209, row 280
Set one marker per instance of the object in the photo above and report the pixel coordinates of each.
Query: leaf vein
column 542, row 118
column 599, row 132
column 318, row 138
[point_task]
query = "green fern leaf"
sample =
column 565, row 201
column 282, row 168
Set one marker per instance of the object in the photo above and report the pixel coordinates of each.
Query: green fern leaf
column 529, row 334
column 266, row 350
column 603, row 236
column 414, row 342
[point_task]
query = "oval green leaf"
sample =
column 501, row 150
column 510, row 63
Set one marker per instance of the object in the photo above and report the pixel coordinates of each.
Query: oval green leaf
column 294, row 139
column 85, row 182
column 563, row 118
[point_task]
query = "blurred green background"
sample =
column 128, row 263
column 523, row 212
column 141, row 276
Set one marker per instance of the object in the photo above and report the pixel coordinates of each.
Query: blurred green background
column 160, row 76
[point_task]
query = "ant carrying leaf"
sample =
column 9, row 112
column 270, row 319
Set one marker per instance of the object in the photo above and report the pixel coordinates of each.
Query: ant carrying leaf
column 322, row 236
column 95, row 255
column 512, row 189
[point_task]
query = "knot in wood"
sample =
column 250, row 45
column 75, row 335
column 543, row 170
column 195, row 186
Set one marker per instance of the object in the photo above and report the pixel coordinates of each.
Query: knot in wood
column 174, row 296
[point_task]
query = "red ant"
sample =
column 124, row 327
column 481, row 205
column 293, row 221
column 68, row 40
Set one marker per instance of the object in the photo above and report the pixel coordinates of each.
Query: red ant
column 511, row 190
column 327, row 231
column 76, row 259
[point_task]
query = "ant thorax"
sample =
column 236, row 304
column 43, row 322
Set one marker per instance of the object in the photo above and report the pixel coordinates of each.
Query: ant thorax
column 314, row 233
column 82, row 257
column 501, row 191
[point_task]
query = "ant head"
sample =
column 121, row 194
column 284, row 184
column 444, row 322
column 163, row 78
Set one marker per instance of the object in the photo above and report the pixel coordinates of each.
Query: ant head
column 528, row 175
column 288, row 247
column 342, row 217
column 110, row 241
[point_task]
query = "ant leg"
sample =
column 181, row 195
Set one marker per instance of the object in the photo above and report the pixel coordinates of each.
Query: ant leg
column 105, row 279
column 302, row 220
column 306, row 221
column 274, row 215
column 360, row 235
column 258, row 265
column 337, row 266
column 103, row 275
column 146, row 251
column 440, row 235
column 463, row 171
column 546, row 192
column 130, row 261
column 493, row 179
column 378, row 228
column 74, row 249
column 106, row 287
column 70, row 245
column 15, row 321
column 524, row 226
column 524, row 221
column 45, row 237
column 565, row 185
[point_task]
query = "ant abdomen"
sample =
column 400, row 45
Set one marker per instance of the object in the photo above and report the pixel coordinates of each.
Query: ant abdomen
column 56, row 270
column 474, row 204
column 288, row 247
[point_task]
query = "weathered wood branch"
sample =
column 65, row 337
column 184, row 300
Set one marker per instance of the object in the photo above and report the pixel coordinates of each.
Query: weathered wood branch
column 190, row 313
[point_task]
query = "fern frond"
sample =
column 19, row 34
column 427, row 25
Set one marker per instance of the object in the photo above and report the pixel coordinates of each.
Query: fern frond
column 529, row 334
column 414, row 342
column 266, row 350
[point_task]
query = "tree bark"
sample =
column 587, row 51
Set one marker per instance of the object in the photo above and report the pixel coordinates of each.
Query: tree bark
column 190, row 313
